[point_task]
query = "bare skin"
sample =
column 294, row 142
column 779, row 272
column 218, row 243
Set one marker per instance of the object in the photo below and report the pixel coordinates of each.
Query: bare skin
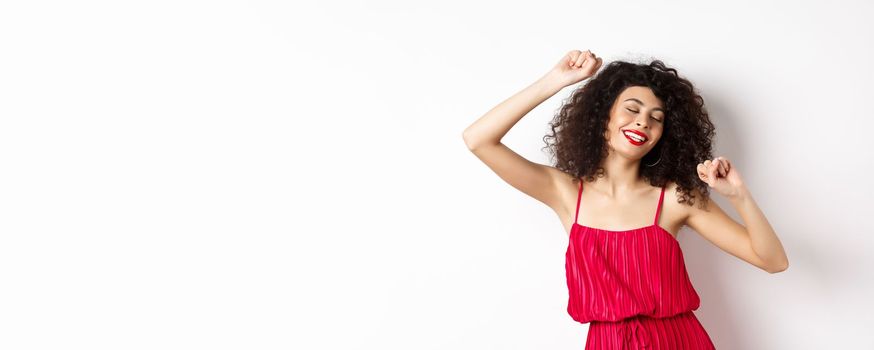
column 622, row 200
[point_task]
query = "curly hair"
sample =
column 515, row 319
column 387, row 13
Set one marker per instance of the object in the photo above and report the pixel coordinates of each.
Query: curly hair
column 578, row 129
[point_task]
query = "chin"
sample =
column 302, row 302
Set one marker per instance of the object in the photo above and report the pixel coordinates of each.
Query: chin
column 633, row 152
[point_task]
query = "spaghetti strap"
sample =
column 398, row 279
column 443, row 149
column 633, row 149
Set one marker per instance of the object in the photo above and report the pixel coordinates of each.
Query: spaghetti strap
column 579, row 196
column 659, row 209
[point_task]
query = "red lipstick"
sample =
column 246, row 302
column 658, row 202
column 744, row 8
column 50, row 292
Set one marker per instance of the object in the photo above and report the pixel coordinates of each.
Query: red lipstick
column 635, row 132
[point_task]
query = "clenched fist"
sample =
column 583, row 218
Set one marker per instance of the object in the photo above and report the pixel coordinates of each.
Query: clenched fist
column 721, row 176
column 575, row 66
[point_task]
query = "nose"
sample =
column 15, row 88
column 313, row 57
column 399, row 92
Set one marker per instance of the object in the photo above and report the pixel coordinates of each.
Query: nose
column 642, row 120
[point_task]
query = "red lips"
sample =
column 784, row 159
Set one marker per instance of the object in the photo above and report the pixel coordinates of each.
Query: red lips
column 635, row 142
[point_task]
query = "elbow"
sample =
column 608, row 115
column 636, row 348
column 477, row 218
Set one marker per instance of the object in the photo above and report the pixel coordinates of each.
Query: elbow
column 779, row 267
column 475, row 142
column 469, row 140
column 466, row 138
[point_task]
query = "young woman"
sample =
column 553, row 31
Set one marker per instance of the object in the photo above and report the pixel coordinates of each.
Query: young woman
column 632, row 151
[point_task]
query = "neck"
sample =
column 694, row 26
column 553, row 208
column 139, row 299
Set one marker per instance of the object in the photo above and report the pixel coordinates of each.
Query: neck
column 622, row 175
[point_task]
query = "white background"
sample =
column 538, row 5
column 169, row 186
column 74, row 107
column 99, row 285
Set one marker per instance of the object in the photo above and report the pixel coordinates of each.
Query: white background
column 262, row 175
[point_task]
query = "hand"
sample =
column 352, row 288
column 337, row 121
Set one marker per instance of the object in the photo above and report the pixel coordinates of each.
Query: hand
column 721, row 176
column 574, row 67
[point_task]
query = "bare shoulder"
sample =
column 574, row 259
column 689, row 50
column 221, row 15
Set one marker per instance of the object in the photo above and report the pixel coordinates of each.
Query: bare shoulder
column 674, row 214
column 685, row 210
column 567, row 186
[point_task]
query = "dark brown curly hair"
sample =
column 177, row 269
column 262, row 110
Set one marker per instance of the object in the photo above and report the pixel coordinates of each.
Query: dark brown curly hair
column 577, row 130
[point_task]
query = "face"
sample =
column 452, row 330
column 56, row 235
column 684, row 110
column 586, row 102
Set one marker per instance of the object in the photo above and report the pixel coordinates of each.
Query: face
column 636, row 109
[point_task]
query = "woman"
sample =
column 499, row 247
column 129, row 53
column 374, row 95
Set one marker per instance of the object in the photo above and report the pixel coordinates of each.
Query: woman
column 625, row 270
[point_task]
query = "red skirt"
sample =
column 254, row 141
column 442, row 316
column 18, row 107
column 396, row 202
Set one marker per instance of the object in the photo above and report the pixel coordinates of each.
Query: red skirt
column 681, row 331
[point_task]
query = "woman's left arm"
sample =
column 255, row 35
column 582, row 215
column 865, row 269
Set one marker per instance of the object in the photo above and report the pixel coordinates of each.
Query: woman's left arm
column 762, row 236
column 755, row 241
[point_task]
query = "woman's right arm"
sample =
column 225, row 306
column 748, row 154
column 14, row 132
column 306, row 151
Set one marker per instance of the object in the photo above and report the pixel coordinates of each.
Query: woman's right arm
column 483, row 137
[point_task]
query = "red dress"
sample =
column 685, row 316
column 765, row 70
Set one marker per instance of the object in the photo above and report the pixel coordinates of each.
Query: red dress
column 632, row 288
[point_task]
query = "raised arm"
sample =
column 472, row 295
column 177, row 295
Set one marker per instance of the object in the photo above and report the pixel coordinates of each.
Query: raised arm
column 755, row 241
column 483, row 137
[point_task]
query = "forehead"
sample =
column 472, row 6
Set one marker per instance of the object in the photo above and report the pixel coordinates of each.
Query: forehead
column 641, row 93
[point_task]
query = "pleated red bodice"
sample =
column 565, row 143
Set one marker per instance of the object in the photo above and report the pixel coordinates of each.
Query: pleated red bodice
column 613, row 275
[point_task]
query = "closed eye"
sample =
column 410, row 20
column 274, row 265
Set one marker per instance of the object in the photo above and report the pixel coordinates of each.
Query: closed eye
column 630, row 110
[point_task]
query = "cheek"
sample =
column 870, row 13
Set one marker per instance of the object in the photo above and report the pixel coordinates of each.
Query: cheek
column 656, row 140
column 612, row 130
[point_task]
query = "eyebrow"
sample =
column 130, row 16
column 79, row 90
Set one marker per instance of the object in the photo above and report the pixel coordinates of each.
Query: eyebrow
column 638, row 101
